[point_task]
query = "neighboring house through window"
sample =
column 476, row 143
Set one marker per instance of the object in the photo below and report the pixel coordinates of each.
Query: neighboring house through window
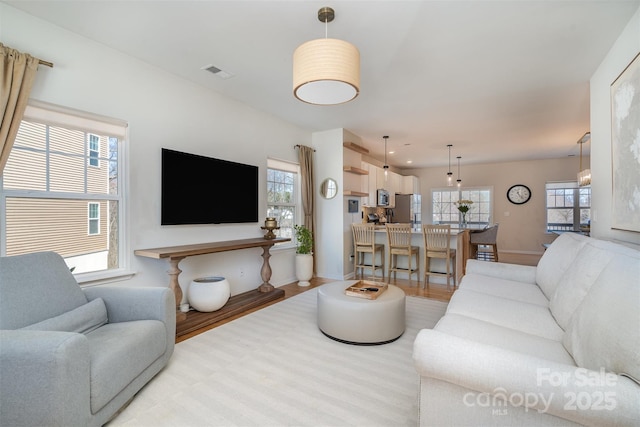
column 94, row 218
column 283, row 198
column 94, row 150
column 445, row 211
column 61, row 189
column 568, row 206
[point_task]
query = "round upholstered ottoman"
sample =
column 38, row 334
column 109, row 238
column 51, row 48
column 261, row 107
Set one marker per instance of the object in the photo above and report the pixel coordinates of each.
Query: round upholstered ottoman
column 356, row 320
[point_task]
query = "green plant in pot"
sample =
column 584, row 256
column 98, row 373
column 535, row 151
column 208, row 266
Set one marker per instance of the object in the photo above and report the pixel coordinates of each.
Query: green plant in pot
column 304, row 256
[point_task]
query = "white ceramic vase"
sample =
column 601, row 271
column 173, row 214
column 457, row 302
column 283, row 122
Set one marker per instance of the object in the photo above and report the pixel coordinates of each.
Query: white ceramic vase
column 208, row 293
column 304, row 269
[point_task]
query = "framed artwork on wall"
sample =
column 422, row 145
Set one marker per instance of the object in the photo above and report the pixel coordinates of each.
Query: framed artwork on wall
column 625, row 148
column 353, row 206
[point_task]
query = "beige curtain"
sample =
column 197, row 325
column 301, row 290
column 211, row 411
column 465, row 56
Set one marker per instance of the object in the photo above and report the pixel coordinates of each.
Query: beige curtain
column 17, row 73
column 305, row 158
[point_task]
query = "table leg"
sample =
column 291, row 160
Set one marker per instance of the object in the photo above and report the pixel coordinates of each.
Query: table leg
column 266, row 271
column 174, row 284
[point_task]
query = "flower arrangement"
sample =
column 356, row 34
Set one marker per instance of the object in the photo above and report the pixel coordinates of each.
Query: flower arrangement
column 464, row 205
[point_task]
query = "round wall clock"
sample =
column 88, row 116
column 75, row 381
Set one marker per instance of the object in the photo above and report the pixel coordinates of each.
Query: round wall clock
column 519, row 194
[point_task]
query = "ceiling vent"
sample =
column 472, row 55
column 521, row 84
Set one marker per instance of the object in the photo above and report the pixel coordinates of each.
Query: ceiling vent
column 217, row 72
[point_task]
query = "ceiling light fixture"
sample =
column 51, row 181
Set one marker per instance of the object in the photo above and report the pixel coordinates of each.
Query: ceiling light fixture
column 584, row 176
column 326, row 71
column 459, row 181
column 449, row 174
column 385, row 166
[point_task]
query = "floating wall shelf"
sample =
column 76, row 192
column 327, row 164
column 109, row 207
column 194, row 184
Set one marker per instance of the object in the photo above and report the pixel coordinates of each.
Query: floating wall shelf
column 355, row 170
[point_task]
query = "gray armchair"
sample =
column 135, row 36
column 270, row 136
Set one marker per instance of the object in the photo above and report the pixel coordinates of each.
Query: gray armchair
column 71, row 356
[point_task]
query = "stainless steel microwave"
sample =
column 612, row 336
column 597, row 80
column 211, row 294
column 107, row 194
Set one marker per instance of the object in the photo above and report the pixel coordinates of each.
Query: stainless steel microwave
column 383, row 197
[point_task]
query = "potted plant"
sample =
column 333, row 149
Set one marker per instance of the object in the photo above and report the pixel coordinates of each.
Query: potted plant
column 304, row 257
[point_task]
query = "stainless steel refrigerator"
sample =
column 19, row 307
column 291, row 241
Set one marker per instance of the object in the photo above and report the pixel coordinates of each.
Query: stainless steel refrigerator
column 408, row 209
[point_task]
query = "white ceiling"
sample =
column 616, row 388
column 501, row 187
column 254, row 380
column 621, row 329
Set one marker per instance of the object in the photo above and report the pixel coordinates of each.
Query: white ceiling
column 500, row 80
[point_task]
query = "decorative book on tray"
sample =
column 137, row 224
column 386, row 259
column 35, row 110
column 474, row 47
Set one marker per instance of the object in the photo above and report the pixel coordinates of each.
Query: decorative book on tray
column 366, row 289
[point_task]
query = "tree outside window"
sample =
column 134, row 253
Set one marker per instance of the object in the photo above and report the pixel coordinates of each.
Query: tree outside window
column 445, row 211
column 568, row 206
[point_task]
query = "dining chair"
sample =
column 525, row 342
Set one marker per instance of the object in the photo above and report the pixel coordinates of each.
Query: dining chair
column 364, row 242
column 399, row 242
column 437, row 244
column 486, row 237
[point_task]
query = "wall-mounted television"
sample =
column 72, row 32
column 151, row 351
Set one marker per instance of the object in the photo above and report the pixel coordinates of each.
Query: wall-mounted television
column 203, row 190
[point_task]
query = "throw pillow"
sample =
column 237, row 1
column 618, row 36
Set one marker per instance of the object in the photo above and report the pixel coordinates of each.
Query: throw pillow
column 82, row 320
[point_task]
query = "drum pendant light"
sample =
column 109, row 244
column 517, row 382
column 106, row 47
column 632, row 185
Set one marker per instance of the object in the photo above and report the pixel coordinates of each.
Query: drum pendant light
column 459, row 180
column 326, row 71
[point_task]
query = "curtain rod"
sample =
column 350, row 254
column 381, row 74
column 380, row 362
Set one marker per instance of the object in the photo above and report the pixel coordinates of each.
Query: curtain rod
column 45, row 63
column 298, row 146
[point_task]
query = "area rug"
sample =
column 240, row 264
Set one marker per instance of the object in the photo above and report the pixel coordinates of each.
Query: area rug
column 275, row 368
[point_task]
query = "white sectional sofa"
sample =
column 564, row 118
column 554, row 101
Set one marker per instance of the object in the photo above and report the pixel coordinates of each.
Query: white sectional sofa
column 556, row 344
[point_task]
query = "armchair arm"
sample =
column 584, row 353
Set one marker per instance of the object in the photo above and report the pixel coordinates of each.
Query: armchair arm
column 518, row 273
column 125, row 304
column 569, row 392
column 45, row 378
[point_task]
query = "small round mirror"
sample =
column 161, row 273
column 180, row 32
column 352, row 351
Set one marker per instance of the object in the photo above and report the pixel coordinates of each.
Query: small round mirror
column 329, row 188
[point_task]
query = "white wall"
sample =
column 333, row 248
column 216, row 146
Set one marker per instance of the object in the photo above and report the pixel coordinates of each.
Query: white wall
column 329, row 213
column 623, row 51
column 162, row 111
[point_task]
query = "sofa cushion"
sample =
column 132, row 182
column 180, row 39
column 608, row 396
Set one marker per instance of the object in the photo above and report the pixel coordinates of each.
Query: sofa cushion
column 509, row 289
column 576, row 281
column 556, row 260
column 82, row 320
column 521, row 316
column 506, row 338
column 36, row 287
column 604, row 332
column 114, row 359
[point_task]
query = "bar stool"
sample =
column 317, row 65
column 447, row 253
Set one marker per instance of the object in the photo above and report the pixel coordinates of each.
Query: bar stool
column 486, row 237
column 364, row 242
column 437, row 244
column 399, row 240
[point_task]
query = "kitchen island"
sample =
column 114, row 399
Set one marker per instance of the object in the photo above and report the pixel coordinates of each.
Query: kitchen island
column 459, row 242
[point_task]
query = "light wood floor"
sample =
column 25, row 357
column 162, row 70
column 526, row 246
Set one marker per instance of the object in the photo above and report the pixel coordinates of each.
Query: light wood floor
column 435, row 291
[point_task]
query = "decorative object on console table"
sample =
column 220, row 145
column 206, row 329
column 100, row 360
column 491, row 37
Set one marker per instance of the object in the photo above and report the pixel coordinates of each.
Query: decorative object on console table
column 304, row 257
column 463, row 207
column 208, row 294
column 270, row 224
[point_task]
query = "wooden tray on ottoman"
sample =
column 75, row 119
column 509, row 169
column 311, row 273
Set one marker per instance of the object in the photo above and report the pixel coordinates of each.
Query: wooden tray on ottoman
column 366, row 289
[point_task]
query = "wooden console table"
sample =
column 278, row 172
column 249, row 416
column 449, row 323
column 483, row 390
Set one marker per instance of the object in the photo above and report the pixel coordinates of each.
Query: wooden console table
column 175, row 254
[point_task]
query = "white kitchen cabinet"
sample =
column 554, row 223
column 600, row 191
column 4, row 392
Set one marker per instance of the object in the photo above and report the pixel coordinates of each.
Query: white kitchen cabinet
column 410, row 185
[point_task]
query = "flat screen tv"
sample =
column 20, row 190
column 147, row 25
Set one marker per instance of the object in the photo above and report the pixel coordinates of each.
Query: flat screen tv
column 203, row 190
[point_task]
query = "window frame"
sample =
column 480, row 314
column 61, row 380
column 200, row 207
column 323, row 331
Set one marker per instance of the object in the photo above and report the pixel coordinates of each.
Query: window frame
column 89, row 123
column 471, row 214
column 576, row 208
column 296, row 203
